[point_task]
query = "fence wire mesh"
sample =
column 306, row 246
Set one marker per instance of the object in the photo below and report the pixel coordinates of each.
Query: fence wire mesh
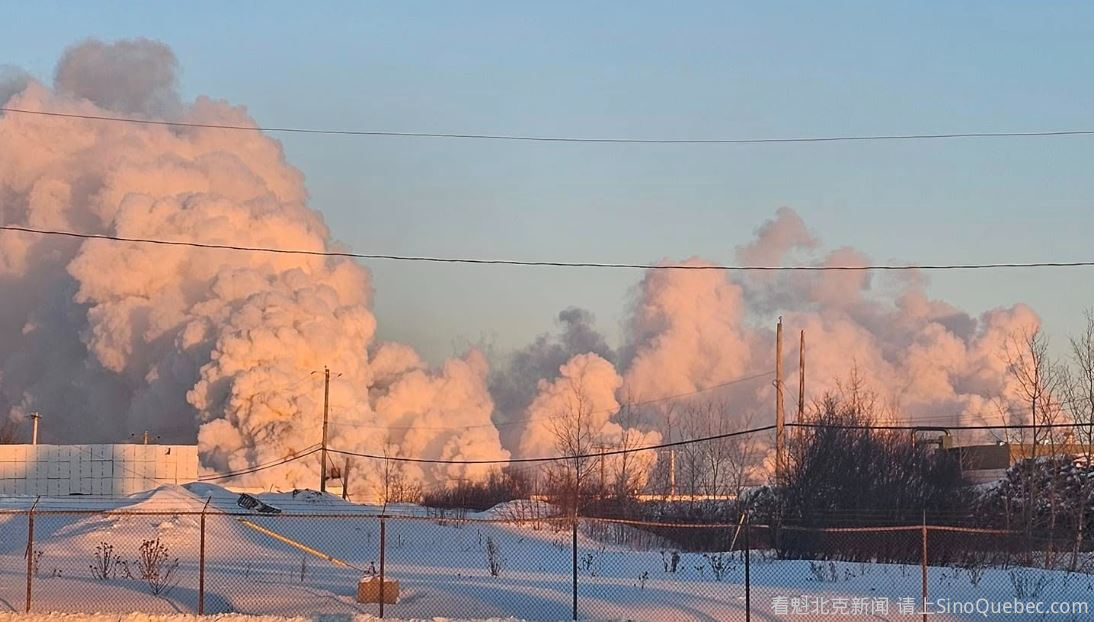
column 523, row 564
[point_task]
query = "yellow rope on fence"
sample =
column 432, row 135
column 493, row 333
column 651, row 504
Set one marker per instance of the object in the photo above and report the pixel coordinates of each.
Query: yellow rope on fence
column 297, row 545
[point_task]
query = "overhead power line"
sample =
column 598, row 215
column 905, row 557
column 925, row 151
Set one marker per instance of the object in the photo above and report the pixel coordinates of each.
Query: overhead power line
column 560, row 139
column 549, row 264
column 615, row 452
column 599, row 454
column 692, row 441
column 261, row 467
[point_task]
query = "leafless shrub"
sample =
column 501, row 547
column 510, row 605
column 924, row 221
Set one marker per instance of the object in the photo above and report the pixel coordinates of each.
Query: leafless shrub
column 1028, row 584
column 720, row 564
column 974, row 566
column 493, row 557
column 105, row 562
column 124, row 566
column 824, row 573
column 156, row 567
column 592, row 561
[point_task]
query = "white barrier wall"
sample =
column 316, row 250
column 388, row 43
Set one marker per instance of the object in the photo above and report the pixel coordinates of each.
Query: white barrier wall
column 113, row 470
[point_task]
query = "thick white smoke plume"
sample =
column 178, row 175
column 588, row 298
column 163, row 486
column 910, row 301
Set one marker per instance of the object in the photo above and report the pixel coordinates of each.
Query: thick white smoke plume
column 697, row 336
column 111, row 339
column 228, row 348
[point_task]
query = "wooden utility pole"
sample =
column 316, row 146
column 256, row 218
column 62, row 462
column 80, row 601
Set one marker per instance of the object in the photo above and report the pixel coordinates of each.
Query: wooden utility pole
column 801, row 379
column 780, row 415
column 326, row 416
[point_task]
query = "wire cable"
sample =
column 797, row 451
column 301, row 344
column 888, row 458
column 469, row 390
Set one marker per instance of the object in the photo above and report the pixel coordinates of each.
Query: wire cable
column 262, row 467
column 553, row 263
column 599, row 454
column 561, row 139
column 616, row 452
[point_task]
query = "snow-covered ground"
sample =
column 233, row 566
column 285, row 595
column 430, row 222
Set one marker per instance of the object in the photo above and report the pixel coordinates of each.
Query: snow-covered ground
column 443, row 569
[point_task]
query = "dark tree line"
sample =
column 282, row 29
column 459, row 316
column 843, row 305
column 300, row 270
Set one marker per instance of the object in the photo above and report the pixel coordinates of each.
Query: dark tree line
column 845, row 474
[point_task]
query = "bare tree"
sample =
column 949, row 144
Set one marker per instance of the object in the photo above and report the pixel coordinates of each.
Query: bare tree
column 1078, row 386
column 632, row 467
column 844, row 466
column 741, row 454
column 859, row 397
column 574, row 439
column 1078, row 389
column 1037, row 383
column 394, row 486
column 669, row 460
column 722, row 463
column 690, row 458
column 1037, row 380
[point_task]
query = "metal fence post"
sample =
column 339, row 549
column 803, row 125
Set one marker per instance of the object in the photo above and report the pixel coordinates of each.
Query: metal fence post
column 923, row 567
column 573, row 544
column 201, row 562
column 30, row 551
column 383, row 554
column 748, row 576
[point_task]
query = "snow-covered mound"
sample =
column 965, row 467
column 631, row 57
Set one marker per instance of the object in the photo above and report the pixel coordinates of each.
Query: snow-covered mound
column 168, row 498
column 520, row 509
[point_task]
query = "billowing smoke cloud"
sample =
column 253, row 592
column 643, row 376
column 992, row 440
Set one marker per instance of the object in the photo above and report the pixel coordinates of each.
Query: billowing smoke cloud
column 228, row 348
column 687, row 332
column 572, row 415
column 135, row 76
column 111, row 339
column 693, row 334
column 515, row 383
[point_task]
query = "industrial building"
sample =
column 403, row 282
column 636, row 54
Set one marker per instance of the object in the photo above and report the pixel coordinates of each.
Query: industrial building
column 107, row 470
column 988, row 463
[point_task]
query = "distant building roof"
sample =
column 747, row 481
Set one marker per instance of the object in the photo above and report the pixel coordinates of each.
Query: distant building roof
column 1001, row 456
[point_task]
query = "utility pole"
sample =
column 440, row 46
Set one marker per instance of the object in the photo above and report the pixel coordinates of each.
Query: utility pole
column 326, row 415
column 801, row 379
column 34, row 417
column 145, row 438
column 780, row 416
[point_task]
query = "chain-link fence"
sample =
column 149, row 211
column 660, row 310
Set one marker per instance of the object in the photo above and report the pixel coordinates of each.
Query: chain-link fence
column 525, row 565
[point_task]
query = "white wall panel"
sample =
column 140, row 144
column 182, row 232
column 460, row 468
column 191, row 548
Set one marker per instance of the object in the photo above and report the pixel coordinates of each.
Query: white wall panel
column 57, row 470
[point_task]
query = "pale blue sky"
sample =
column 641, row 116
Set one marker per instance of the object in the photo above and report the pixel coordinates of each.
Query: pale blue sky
column 644, row 69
